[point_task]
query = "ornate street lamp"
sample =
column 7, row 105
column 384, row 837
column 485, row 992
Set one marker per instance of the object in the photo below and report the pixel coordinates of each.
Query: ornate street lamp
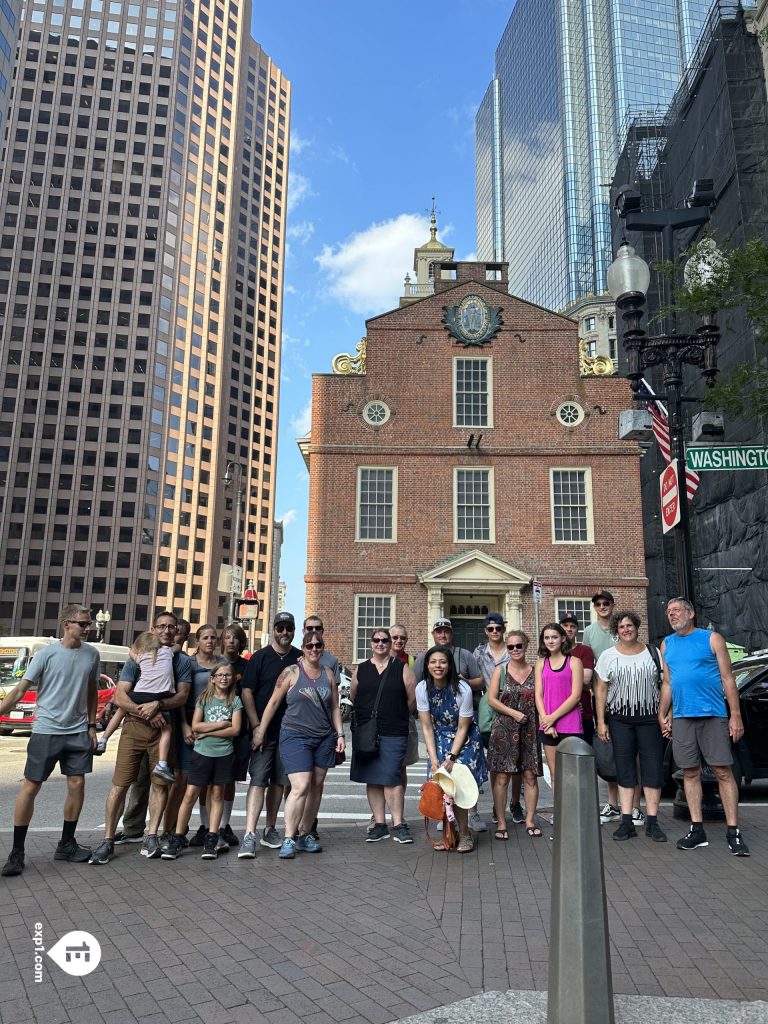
column 628, row 281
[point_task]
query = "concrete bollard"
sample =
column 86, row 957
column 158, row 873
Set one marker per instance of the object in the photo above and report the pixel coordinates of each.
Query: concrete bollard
column 580, row 989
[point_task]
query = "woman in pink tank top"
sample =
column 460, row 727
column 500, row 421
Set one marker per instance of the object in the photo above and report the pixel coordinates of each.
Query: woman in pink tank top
column 559, row 682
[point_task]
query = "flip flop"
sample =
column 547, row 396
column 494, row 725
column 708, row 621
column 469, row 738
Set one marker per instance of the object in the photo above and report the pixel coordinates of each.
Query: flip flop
column 534, row 831
column 501, row 833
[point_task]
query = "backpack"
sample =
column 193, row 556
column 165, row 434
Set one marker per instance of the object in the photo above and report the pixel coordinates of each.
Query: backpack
column 432, row 805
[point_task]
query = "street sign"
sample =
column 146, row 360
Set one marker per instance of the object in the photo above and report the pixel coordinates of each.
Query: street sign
column 730, row 456
column 670, row 498
column 237, row 579
column 537, row 591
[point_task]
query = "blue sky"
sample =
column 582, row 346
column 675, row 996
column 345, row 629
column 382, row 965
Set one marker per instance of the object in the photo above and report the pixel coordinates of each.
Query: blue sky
column 384, row 98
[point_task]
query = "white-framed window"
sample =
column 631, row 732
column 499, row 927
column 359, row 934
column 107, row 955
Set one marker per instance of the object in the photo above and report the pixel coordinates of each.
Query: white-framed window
column 571, row 503
column 589, row 323
column 376, row 503
column 570, row 414
column 473, row 505
column 372, row 611
column 472, row 392
column 581, row 608
column 376, row 413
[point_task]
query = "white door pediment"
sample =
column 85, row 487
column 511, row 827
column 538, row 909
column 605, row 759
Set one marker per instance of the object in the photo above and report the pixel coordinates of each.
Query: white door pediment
column 476, row 568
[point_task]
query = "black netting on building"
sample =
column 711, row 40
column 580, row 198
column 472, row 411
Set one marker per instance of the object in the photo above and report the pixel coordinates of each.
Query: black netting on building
column 716, row 127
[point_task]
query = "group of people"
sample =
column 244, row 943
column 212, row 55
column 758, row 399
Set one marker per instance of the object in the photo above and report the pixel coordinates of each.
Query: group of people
column 192, row 727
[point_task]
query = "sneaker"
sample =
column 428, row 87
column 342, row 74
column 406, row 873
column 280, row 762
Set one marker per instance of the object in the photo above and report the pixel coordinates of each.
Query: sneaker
column 122, row 837
column 162, row 771
column 210, row 846
column 736, row 844
column 287, row 849
column 72, row 852
column 377, row 833
column 229, row 836
column 307, row 844
column 247, row 849
column 402, row 834
column 638, row 818
column 371, row 824
column 222, row 846
column 517, row 812
column 625, row 831
column 14, row 865
column 199, row 837
column 476, row 823
column 270, row 838
column 103, row 853
column 609, row 813
column 693, row 839
column 654, row 832
column 171, row 848
column 101, row 747
column 151, row 848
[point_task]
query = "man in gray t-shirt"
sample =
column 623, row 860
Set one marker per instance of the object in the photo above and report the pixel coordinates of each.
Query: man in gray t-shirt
column 66, row 675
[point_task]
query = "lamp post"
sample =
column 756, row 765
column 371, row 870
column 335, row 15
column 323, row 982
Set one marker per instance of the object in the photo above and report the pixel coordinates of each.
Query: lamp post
column 234, row 469
column 103, row 618
column 628, row 280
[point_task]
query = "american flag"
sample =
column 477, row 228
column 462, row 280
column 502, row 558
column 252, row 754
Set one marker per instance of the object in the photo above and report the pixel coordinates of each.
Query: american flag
column 660, row 427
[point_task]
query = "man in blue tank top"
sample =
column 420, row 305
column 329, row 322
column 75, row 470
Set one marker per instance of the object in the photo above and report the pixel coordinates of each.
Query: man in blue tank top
column 697, row 682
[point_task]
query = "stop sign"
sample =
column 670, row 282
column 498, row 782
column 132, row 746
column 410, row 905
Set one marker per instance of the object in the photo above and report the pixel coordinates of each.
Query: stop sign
column 670, row 497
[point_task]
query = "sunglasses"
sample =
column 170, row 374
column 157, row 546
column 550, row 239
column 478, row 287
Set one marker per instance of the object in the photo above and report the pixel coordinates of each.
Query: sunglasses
column 314, row 647
column 284, row 629
column 395, row 637
column 515, row 647
column 82, row 625
column 381, row 640
column 493, row 629
column 602, row 604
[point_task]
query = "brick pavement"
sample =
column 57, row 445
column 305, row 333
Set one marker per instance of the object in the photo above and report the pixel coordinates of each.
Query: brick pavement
column 370, row 933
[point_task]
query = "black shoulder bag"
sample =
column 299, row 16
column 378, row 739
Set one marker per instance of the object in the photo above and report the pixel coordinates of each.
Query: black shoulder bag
column 365, row 735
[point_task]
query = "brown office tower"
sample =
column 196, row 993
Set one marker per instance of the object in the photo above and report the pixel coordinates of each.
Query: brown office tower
column 141, row 267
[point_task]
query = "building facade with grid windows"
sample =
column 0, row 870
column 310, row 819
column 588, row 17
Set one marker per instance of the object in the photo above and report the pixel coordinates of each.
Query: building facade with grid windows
column 141, row 271
column 550, row 128
column 462, row 458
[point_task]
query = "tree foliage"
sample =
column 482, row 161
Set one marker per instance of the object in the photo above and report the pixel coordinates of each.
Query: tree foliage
column 716, row 282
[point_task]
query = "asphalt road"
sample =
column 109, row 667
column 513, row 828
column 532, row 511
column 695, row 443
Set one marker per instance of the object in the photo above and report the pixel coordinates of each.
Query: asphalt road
column 343, row 801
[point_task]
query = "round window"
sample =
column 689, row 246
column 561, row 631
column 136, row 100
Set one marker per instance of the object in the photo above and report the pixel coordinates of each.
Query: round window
column 376, row 413
column 570, row 414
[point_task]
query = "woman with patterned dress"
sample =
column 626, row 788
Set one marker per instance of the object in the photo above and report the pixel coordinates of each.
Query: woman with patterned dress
column 444, row 703
column 514, row 747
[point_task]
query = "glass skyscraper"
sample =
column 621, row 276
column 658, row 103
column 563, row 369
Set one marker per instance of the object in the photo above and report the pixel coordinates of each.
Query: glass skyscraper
column 568, row 75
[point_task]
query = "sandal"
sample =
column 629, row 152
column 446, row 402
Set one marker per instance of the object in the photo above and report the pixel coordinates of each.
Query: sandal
column 466, row 844
column 533, row 831
column 501, row 833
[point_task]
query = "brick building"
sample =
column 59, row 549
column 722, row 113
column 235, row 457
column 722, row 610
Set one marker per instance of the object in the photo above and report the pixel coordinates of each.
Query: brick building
column 468, row 448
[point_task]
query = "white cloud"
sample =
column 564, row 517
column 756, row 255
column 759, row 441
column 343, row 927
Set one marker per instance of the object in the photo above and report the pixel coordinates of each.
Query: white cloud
column 302, row 231
column 299, row 189
column 366, row 271
column 289, row 516
column 301, row 424
column 298, row 145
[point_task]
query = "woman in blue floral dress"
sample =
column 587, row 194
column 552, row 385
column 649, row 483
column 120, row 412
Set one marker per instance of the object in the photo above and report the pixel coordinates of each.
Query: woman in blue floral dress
column 444, row 703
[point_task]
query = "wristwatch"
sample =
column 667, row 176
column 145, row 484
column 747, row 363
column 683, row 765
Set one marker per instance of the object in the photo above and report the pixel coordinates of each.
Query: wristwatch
column 451, row 756
column 91, row 725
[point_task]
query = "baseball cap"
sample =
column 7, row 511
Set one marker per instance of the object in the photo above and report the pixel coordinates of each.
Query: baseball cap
column 604, row 595
column 284, row 617
column 495, row 618
column 443, row 622
column 569, row 617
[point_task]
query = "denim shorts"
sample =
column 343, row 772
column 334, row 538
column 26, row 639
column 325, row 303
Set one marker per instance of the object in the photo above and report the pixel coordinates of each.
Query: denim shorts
column 304, row 753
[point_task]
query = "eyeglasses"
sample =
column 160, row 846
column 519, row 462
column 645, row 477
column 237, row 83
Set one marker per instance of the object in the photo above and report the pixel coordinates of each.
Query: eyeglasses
column 395, row 637
column 284, row 629
column 381, row 640
column 515, row 647
column 167, row 628
column 602, row 604
column 221, row 675
column 314, row 647
column 82, row 625
column 493, row 629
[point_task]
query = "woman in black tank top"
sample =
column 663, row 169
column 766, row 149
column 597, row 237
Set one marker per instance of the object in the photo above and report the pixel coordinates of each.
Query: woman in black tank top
column 382, row 772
